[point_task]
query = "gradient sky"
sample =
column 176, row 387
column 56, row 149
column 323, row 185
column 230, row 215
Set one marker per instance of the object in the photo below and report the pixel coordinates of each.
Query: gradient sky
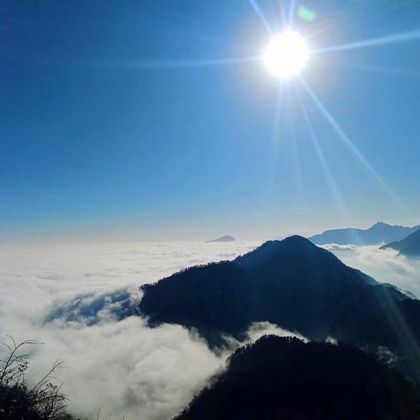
column 110, row 128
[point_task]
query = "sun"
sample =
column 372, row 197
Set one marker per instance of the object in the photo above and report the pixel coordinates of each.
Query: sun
column 286, row 54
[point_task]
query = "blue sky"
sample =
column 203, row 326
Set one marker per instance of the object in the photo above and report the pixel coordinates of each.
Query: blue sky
column 108, row 129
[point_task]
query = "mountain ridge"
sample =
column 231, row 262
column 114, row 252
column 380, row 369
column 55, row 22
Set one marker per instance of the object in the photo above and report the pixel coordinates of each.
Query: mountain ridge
column 377, row 234
column 295, row 285
column 409, row 246
column 287, row 378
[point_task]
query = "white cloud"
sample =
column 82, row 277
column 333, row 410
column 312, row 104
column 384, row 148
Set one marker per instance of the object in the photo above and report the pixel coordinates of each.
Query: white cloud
column 384, row 265
column 259, row 329
column 127, row 369
column 69, row 297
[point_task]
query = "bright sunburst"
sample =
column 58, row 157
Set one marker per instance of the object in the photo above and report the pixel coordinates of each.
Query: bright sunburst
column 286, row 54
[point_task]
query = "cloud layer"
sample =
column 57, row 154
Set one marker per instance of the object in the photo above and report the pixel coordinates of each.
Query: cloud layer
column 385, row 266
column 76, row 299
column 71, row 298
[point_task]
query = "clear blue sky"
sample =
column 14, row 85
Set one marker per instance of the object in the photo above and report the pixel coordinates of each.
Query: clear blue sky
column 103, row 132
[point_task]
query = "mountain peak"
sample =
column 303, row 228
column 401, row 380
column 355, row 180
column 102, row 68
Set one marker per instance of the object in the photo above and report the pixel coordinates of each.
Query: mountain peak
column 224, row 238
column 293, row 284
column 380, row 224
column 290, row 241
column 295, row 247
column 298, row 240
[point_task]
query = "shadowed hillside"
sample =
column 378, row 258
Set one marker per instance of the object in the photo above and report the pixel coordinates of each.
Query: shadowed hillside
column 409, row 246
column 296, row 285
column 284, row 378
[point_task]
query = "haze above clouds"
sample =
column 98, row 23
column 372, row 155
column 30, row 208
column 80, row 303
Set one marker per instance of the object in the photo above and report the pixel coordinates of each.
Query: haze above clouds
column 71, row 297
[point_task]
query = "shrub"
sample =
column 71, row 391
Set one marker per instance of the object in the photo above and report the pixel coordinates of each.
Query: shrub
column 18, row 399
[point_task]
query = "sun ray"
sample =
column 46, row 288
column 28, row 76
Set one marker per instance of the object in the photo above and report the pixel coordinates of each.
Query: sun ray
column 292, row 12
column 344, row 138
column 195, row 63
column 297, row 167
column 276, row 18
column 338, row 198
column 377, row 69
column 374, row 42
column 276, row 137
column 260, row 14
column 279, row 108
column 283, row 14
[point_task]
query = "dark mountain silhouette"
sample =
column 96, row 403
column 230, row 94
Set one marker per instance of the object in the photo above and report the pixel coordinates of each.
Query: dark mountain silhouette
column 293, row 284
column 225, row 238
column 377, row 234
column 284, row 378
column 409, row 246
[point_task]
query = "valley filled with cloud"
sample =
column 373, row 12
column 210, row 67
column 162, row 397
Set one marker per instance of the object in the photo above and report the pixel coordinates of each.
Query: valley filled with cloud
column 69, row 296
column 384, row 265
column 80, row 301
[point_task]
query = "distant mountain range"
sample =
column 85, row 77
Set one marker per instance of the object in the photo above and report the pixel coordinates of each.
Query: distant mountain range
column 409, row 246
column 293, row 284
column 379, row 233
column 225, row 238
column 284, row 378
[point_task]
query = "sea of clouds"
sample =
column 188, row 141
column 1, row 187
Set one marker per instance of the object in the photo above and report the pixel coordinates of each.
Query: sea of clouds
column 80, row 300
column 76, row 299
column 384, row 265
